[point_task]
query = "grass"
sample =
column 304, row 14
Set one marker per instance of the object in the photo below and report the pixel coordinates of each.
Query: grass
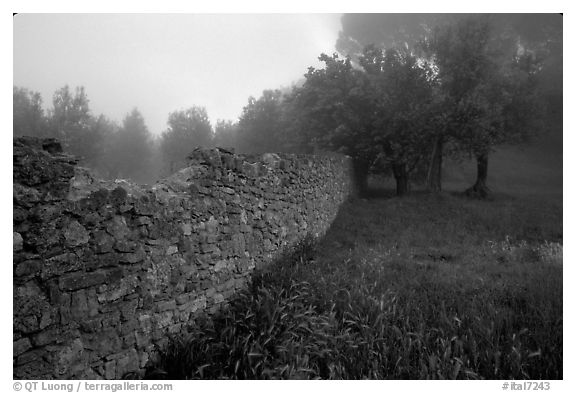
column 428, row 286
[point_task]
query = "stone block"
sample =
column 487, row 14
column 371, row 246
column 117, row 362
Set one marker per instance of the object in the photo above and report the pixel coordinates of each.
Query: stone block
column 128, row 309
column 186, row 229
column 45, row 337
column 208, row 248
column 166, row 305
column 74, row 281
column 129, row 326
column 56, row 265
column 118, row 228
column 103, row 241
column 145, row 323
column 75, row 234
column 21, row 346
column 128, row 341
column 164, row 319
column 135, row 257
column 32, row 357
column 143, row 220
column 79, row 307
column 17, row 242
column 142, row 339
column 183, row 298
column 69, row 356
column 28, row 267
column 125, row 246
column 110, row 369
column 91, row 325
column 144, row 357
column 111, row 320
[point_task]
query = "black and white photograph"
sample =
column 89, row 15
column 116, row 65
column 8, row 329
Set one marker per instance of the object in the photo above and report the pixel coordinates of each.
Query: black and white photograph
column 274, row 196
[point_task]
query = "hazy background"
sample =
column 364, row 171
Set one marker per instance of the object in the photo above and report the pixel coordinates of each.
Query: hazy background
column 132, row 95
column 161, row 63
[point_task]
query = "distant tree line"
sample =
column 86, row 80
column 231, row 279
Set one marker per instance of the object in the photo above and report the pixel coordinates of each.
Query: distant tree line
column 130, row 150
column 411, row 89
column 111, row 150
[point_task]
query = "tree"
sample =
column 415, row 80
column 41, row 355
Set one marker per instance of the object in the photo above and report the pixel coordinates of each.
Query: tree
column 70, row 117
column 71, row 121
column 187, row 129
column 386, row 31
column 261, row 126
column 132, row 150
column 377, row 113
column 28, row 115
column 106, row 130
column 226, row 134
column 489, row 95
column 405, row 32
column 401, row 87
column 537, row 37
column 334, row 112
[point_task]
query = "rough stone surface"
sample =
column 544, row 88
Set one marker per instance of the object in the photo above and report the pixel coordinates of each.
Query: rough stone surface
column 104, row 270
column 17, row 241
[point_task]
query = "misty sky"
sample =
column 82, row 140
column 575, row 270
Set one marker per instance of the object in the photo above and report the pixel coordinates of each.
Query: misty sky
column 161, row 63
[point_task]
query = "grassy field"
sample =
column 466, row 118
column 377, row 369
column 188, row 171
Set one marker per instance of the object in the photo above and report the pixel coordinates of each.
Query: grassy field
column 426, row 286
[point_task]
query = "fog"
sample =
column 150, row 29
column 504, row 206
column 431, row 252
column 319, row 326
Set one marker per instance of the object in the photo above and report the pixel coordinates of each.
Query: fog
column 133, row 94
column 161, row 63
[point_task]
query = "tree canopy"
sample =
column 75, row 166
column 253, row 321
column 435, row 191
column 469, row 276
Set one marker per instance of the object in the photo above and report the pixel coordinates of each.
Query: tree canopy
column 488, row 89
column 262, row 125
column 187, row 129
column 132, row 150
column 401, row 90
column 28, row 115
column 226, row 134
column 490, row 73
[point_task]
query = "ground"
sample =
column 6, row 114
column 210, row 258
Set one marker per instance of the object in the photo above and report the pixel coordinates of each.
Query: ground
column 425, row 286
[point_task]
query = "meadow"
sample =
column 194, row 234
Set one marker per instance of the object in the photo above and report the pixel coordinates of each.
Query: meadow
column 421, row 287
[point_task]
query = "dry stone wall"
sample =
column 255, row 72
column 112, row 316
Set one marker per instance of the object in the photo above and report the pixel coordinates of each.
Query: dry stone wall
column 104, row 270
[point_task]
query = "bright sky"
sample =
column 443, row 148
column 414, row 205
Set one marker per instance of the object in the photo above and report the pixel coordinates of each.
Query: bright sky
column 161, row 63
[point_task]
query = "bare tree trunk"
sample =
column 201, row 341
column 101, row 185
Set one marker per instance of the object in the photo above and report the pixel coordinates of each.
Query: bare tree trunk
column 434, row 178
column 480, row 189
column 401, row 177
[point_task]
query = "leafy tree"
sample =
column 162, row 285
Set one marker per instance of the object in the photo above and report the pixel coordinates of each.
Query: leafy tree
column 107, row 131
column 132, row 150
column 379, row 111
column 533, row 38
column 335, row 113
column 70, row 117
column 487, row 88
column 262, row 125
column 405, row 31
column 187, row 129
column 539, row 37
column 71, row 121
column 28, row 115
column 401, row 87
column 226, row 134
column 386, row 31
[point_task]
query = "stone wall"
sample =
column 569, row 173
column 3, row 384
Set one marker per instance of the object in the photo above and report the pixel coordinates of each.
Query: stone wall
column 104, row 270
